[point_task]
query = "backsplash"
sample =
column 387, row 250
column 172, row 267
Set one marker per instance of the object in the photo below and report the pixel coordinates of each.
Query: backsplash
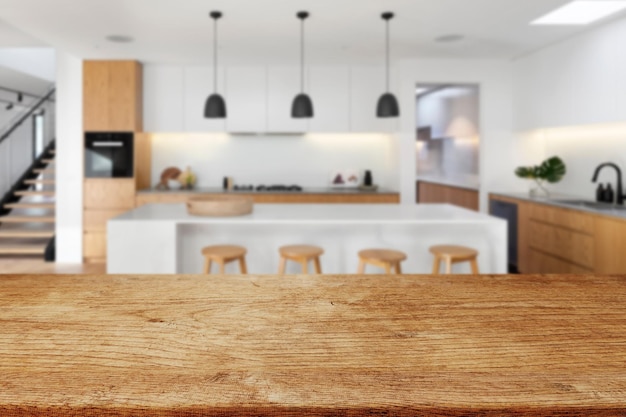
column 308, row 160
column 583, row 149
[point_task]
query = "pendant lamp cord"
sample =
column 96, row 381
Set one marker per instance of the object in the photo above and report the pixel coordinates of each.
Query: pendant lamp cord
column 302, row 55
column 215, row 55
column 387, row 49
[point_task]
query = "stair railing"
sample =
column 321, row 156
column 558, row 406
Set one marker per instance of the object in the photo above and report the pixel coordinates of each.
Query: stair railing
column 17, row 142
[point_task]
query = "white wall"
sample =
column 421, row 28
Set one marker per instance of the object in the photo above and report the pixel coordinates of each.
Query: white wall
column 69, row 159
column 497, row 145
column 570, row 101
column 307, row 160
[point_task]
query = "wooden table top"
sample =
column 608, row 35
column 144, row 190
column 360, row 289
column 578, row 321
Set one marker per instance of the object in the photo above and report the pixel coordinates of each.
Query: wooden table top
column 319, row 346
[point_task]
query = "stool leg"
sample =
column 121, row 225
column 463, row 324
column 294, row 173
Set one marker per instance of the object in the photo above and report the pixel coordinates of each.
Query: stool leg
column 361, row 266
column 305, row 266
column 283, row 266
column 398, row 268
column 317, row 265
column 388, row 268
column 222, row 265
column 207, row 266
column 436, row 265
column 242, row 265
column 448, row 261
column 474, row 265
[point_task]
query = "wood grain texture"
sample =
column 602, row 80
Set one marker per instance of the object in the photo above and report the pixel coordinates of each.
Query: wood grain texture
column 610, row 238
column 298, row 198
column 143, row 160
column 109, row 194
column 112, row 95
column 431, row 193
column 313, row 346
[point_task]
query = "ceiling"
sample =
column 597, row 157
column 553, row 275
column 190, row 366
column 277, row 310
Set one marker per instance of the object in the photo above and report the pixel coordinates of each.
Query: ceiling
column 11, row 37
column 260, row 31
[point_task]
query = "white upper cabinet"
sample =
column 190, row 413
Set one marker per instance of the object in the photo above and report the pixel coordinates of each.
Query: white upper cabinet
column 198, row 87
column 367, row 84
column 163, row 98
column 283, row 86
column 246, row 100
column 330, row 92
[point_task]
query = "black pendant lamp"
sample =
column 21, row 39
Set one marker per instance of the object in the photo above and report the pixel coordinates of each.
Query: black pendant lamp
column 302, row 107
column 215, row 106
column 387, row 103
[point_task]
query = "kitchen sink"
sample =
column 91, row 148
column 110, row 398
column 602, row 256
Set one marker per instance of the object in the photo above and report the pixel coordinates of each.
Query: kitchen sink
column 591, row 205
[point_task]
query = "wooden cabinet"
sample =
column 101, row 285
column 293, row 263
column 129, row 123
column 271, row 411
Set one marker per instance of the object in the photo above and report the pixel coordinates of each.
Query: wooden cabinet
column 431, row 193
column 112, row 96
column 103, row 200
column 303, row 198
column 554, row 240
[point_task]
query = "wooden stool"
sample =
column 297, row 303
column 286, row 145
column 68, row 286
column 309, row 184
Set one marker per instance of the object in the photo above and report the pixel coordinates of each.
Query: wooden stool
column 223, row 255
column 451, row 254
column 301, row 254
column 384, row 258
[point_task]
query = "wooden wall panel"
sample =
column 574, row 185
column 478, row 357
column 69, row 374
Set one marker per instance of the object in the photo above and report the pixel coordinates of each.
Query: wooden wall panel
column 143, row 161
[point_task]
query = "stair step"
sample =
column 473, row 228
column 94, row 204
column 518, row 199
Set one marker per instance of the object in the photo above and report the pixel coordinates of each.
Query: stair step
column 47, row 161
column 42, row 182
column 43, row 171
column 53, row 151
column 26, row 234
column 33, row 249
column 27, row 219
column 35, row 193
column 30, row 206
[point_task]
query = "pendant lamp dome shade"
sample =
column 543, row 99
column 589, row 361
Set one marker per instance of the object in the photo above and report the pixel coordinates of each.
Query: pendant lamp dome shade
column 302, row 107
column 387, row 103
column 215, row 106
column 387, row 106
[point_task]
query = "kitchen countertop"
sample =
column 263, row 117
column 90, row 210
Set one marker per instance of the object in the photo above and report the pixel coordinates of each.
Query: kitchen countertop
column 342, row 214
column 470, row 183
column 555, row 200
column 312, row 346
column 306, row 190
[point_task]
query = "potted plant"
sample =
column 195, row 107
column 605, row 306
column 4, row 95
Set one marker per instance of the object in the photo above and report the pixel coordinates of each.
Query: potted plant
column 552, row 170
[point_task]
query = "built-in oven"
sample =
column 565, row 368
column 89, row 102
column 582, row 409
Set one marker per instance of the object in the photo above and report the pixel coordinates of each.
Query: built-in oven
column 109, row 155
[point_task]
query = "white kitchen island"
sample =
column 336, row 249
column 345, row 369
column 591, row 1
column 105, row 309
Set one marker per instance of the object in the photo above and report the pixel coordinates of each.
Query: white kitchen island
column 165, row 239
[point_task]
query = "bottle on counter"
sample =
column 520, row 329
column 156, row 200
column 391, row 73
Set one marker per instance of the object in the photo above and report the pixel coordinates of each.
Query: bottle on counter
column 609, row 195
column 600, row 193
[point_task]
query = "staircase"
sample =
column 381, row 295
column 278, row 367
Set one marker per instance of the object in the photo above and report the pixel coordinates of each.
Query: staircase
column 27, row 226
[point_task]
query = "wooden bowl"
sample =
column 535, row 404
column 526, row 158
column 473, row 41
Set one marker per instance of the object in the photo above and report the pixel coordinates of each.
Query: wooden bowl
column 220, row 206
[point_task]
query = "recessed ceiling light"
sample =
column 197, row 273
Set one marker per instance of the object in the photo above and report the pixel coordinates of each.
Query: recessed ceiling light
column 581, row 12
column 119, row 39
column 449, row 38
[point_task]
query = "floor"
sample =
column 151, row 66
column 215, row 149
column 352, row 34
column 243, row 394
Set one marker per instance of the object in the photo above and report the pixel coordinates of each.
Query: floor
column 35, row 265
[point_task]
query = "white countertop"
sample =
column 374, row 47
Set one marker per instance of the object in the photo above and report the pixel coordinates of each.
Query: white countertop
column 316, row 214
column 469, row 182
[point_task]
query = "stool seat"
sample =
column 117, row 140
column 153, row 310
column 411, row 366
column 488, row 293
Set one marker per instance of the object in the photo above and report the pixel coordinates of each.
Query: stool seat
column 224, row 254
column 302, row 254
column 300, row 251
column 385, row 258
column 452, row 254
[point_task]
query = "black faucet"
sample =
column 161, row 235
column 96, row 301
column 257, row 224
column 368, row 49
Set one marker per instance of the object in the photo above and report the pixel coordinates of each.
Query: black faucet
column 620, row 190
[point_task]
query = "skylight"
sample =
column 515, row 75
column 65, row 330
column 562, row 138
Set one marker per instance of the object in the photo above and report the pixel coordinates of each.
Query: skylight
column 581, row 12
